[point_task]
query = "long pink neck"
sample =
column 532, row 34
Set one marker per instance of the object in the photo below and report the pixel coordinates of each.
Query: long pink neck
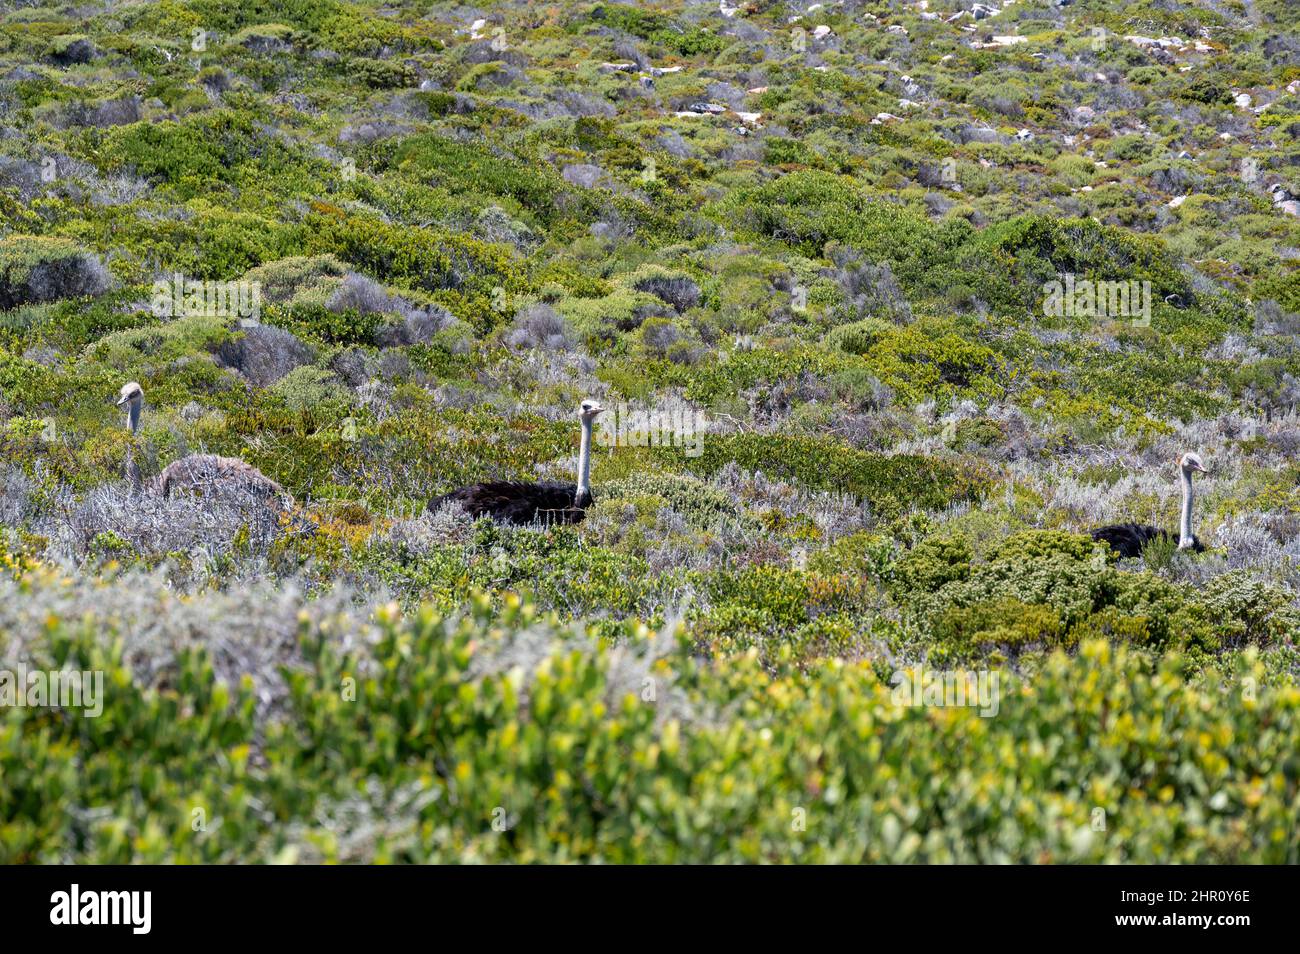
column 584, row 461
column 1185, row 537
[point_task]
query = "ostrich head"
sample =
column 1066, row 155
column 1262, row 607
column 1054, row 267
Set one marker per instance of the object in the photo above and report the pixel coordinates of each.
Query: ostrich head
column 131, row 395
column 1190, row 463
column 588, row 411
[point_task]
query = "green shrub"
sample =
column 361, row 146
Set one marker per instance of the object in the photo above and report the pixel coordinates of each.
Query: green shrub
column 38, row 269
column 310, row 389
column 498, row 735
column 887, row 483
column 703, row 506
column 381, row 74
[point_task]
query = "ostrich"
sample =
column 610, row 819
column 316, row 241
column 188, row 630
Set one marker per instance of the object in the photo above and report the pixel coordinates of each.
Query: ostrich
column 526, row 503
column 196, row 472
column 132, row 396
column 1130, row 538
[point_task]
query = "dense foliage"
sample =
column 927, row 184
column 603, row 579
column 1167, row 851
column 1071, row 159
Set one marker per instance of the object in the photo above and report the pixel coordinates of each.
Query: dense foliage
column 382, row 250
column 501, row 735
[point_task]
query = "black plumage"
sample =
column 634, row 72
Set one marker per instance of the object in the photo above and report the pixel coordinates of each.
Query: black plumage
column 520, row 503
column 1129, row 539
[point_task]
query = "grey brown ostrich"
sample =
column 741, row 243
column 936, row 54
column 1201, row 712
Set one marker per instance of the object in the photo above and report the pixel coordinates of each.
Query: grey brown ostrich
column 524, row 503
column 1129, row 539
column 203, row 474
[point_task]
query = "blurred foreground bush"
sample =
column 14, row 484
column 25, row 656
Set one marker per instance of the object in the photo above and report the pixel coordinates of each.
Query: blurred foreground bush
column 500, row 735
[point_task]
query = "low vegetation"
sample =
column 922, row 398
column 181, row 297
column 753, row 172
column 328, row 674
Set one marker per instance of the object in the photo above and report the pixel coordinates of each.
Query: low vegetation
column 805, row 255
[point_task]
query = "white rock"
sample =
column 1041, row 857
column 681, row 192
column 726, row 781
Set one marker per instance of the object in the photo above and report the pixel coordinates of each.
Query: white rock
column 821, row 32
column 1177, row 201
column 1242, row 100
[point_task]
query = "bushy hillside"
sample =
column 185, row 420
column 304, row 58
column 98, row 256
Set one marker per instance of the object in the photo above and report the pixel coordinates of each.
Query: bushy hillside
column 888, row 303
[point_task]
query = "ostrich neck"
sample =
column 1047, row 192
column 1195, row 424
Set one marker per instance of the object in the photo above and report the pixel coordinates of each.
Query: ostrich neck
column 584, row 461
column 132, row 426
column 1185, row 538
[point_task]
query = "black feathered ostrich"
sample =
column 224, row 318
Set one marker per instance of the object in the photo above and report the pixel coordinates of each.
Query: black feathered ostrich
column 1129, row 539
column 521, row 503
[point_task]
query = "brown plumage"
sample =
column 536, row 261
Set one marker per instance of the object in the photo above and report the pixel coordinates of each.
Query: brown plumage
column 206, row 474
column 200, row 474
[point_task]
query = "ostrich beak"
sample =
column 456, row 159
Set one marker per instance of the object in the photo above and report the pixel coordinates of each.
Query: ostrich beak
column 1199, row 469
column 598, row 409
